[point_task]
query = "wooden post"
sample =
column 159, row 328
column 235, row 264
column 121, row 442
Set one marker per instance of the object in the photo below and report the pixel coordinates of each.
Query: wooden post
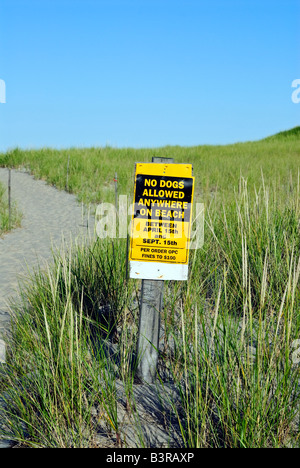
column 149, row 326
column 67, row 182
column 151, row 305
column 9, row 197
column 116, row 192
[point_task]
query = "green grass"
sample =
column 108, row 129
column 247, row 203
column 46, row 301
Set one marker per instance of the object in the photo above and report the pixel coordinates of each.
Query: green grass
column 230, row 330
column 217, row 168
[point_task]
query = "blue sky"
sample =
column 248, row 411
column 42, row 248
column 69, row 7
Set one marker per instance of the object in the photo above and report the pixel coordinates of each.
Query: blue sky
column 147, row 73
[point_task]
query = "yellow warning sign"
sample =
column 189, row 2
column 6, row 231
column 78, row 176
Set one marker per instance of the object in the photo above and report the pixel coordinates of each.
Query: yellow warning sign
column 162, row 213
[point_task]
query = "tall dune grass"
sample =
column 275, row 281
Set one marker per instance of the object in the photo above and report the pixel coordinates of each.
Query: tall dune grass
column 232, row 361
column 217, row 168
column 228, row 333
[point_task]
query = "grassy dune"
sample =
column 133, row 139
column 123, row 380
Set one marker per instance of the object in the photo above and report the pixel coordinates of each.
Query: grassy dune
column 217, row 168
column 231, row 332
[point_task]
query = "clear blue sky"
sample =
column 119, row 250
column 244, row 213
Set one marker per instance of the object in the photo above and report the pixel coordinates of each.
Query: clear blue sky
column 146, row 73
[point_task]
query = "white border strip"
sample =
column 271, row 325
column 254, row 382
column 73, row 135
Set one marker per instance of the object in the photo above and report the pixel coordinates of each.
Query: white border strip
column 158, row 271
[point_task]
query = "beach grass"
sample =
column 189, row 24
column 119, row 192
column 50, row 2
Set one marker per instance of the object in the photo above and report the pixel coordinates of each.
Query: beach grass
column 230, row 333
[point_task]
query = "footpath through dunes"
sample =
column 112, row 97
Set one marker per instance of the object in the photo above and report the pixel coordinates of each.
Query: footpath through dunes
column 51, row 218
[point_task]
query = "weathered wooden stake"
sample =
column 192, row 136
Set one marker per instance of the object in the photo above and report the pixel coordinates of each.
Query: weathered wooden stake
column 116, row 192
column 67, row 182
column 9, row 198
column 151, row 305
column 149, row 326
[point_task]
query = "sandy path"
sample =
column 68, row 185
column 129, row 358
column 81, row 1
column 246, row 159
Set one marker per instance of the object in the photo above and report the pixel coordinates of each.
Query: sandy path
column 49, row 215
